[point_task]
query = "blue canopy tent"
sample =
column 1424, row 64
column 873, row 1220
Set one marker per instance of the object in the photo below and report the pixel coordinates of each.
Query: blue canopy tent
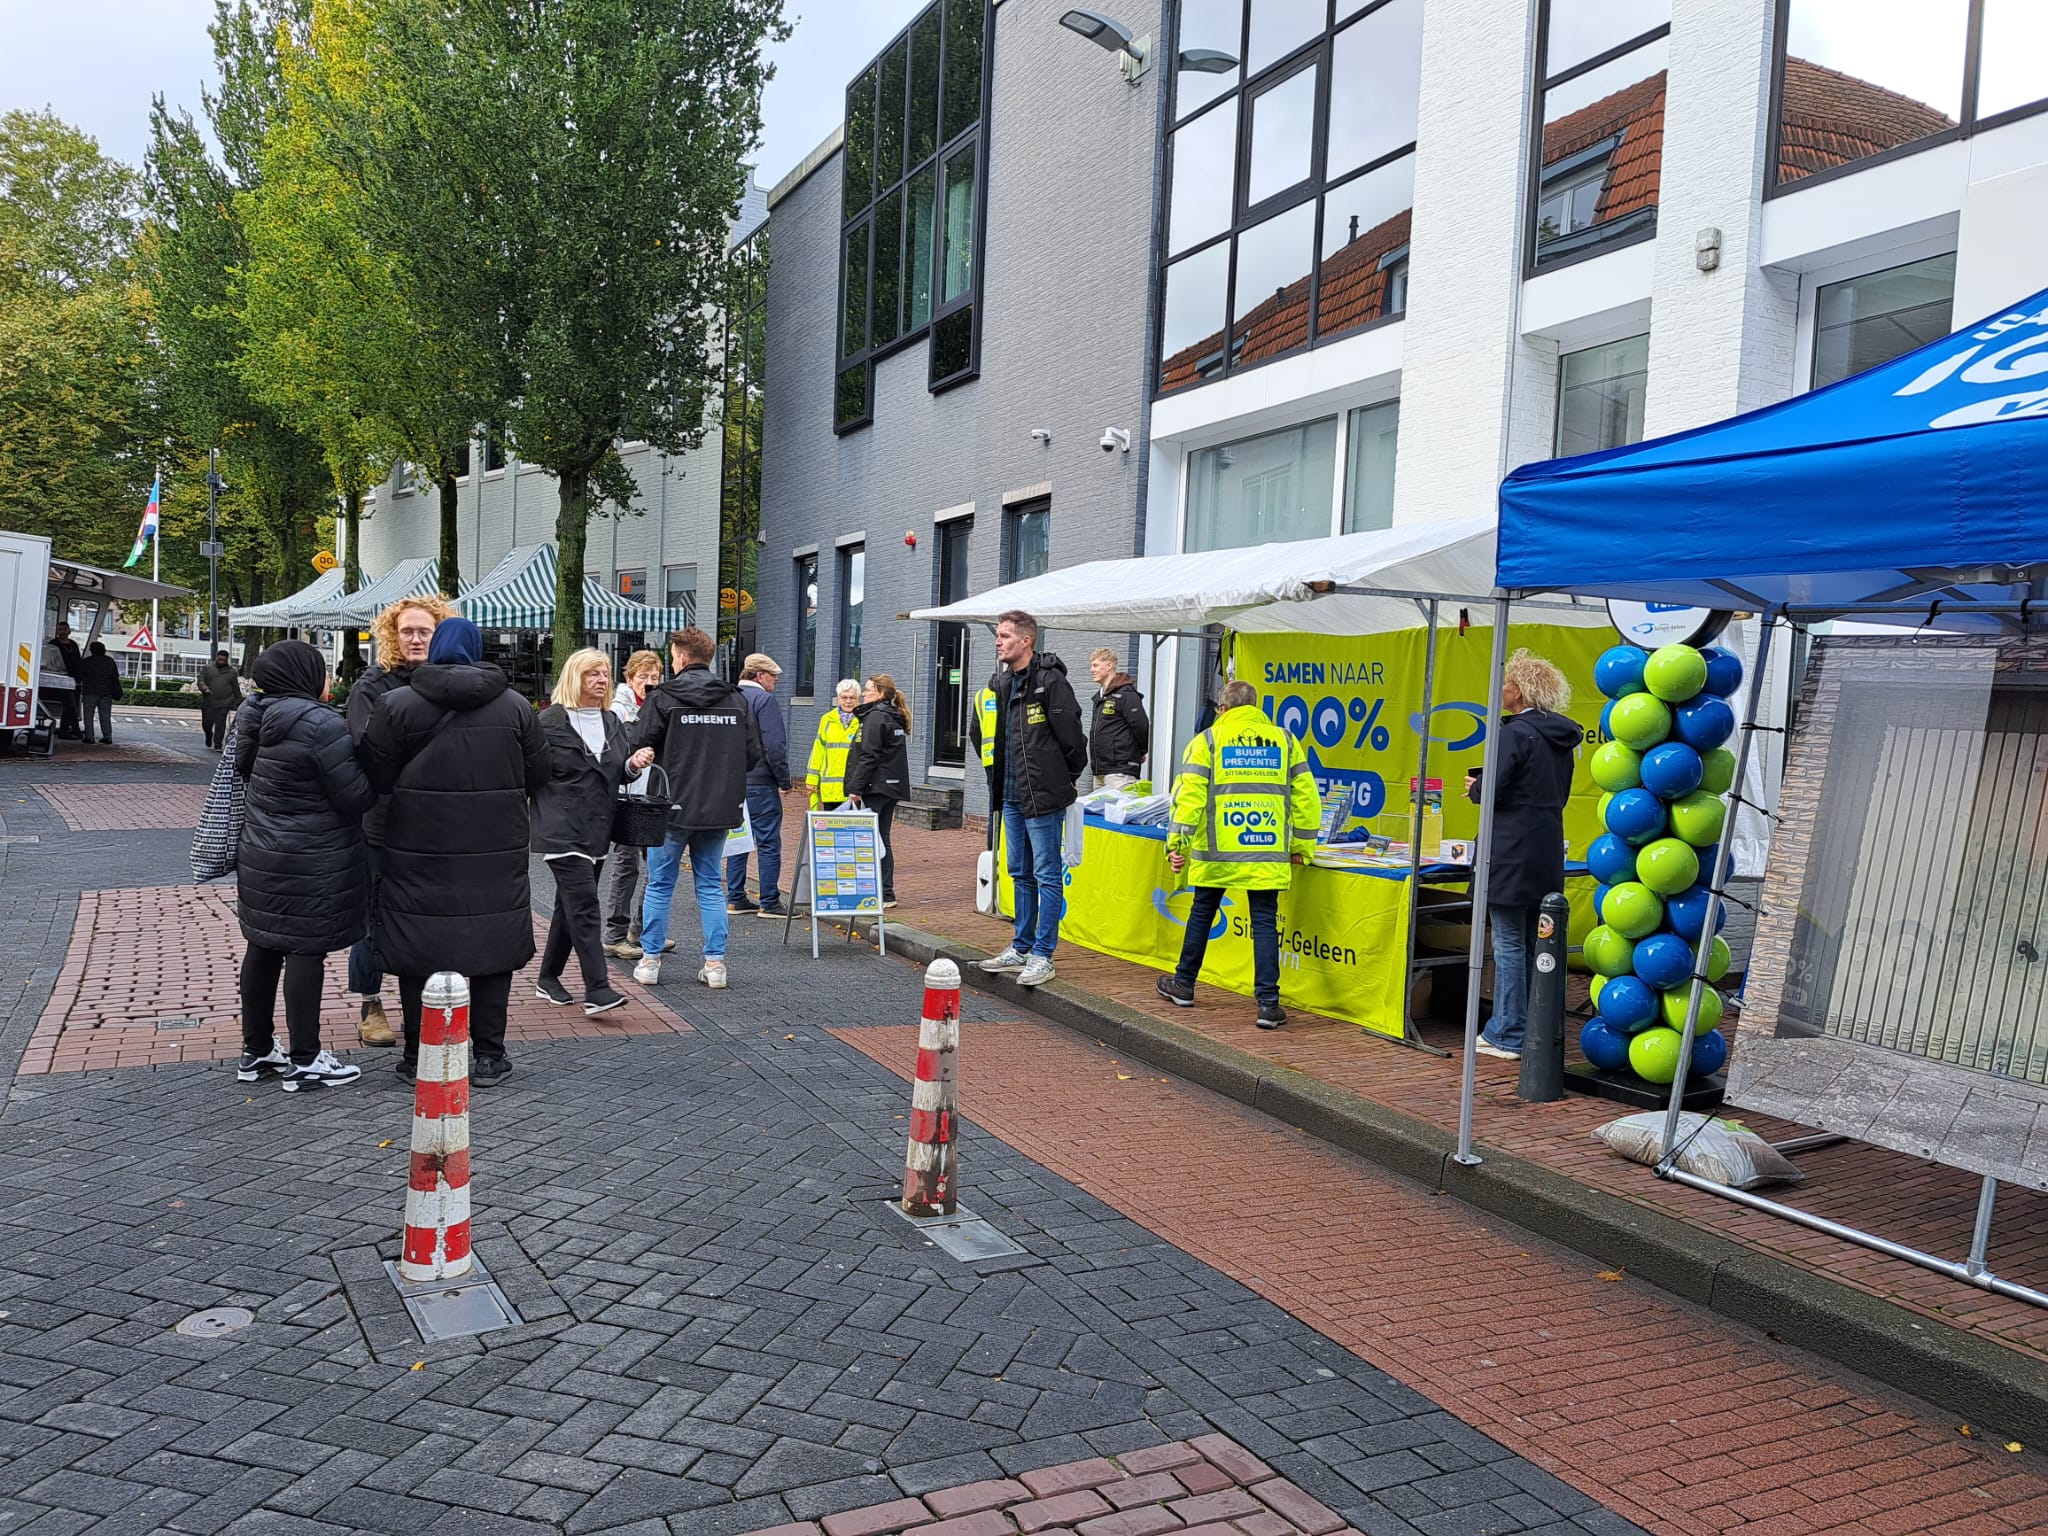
column 1915, row 493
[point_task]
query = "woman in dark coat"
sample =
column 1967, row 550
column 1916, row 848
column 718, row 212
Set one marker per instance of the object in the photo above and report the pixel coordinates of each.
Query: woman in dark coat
column 458, row 754
column 302, row 874
column 878, row 767
column 572, row 824
column 1538, row 745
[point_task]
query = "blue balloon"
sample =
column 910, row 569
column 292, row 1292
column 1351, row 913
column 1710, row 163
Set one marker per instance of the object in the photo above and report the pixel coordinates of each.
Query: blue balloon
column 1688, row 913
column 1610, row 860
column 1603, row 1045
column 1704, row 722
column 1636, row 816
column 1664, row 960
column 1619, row 670
column 1606, row 716
column 1627, row 1004
column 1709, row 1053
column 1600, row 900
column 1724, row 671
column 1672, row 771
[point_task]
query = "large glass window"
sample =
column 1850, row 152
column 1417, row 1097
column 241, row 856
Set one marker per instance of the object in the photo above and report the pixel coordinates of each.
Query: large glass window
column 1601, row 100
column 806, row 667
column 1291, row 177
column 1371, row 437
column 1600, row 395
column 1870, row 320
column 1269, row 489
column 679, row 590
column 1030, row 540
column 853, row 581
column 915, row 120
column 1862, row 78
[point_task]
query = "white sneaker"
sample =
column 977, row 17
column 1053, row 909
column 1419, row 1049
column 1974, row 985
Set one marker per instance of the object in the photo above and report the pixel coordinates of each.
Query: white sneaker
column 712, row 974
column 1037, row 971
column 254, row 1067
column 1486, row 1047
column 648, row 971
column 324, row 1071
column 1011, row 959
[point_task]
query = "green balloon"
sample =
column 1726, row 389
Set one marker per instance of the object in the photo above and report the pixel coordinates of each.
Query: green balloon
column 1719, row 775
column 1668, row 866
column 1675, row 673
column 1654, row 1054
column 1699, row 818
column 1640, row 721
column 1718, row 959
column 1597, row 986
column 1633, row 910
column 1617, row 767
column 1608, row 952
column 1600, row 809
column 1673, row 1005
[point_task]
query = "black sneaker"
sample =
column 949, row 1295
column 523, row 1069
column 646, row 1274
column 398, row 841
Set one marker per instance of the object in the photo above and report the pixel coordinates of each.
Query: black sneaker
column 1176, row 991
column 602, row 1000
column 486, row 1070
column 407, row 1068
column 324, row 1071
column 777, row 910
column 739, row 904
column 254, row 1068
column 1271, row 1015
column 551, row 988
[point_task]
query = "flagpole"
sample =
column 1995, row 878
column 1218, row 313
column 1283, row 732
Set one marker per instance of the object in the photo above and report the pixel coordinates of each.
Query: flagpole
column 156, row 573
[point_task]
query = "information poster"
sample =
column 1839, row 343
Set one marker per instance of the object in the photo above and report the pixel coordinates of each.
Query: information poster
column 846, row 864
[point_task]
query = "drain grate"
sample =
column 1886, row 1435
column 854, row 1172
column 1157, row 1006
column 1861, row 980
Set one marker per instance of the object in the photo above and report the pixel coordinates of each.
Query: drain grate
column 171, row 1021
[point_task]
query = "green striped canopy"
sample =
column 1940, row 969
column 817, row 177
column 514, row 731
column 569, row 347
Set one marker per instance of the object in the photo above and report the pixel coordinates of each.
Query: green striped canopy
column 302, row 609
column 408, row 578
column 520, row 594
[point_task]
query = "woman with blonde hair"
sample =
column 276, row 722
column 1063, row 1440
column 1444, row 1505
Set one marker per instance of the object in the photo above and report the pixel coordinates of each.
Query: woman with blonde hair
column 403, row 632
column 878, row 766
column 572, row 823
column 1538, row 743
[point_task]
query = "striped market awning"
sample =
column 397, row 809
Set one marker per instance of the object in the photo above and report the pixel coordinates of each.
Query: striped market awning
column 408, row 578
column 301, row 610
column 520, row 594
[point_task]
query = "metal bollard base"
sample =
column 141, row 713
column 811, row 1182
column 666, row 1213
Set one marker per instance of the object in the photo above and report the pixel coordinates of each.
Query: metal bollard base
column 457, row 1306
column 962, row 1234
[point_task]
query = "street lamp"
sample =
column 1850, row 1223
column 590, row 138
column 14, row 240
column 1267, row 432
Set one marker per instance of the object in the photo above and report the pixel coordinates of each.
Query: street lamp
column 216, row 641
column 1133, row 53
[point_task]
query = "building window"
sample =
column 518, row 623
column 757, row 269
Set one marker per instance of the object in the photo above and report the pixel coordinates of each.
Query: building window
column 1292, row 173
column 806, row 668
column 1863, row 78
column 1600, row 393
column 739, row 495
column 1371, row 436
column 462, row 461
column 1274, row 488
column 1870, row 320
column 1600, row 106
column 853, row 568
column 910, row 240
column 494, row 454
column 679, row 590
column 1030, row 540
column 633, row 586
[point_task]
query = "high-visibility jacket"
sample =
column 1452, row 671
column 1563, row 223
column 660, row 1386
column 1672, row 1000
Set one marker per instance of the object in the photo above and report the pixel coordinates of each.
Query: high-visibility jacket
column 983, row 726
column 827, row 772
column 1245, row 800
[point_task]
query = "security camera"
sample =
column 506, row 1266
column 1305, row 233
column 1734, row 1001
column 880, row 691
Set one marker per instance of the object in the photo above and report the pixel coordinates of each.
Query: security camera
column 1115, row 438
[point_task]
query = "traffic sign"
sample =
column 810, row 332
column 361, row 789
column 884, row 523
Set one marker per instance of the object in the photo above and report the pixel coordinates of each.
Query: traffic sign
column 325, row 561
column 142, row 640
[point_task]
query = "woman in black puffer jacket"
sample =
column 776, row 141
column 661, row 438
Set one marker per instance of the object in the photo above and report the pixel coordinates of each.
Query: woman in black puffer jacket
column 878, row 766
column 302, row 874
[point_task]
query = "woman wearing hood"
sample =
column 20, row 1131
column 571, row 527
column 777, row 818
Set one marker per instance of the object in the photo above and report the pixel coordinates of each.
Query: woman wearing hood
column 458, row 755
column 302, row 876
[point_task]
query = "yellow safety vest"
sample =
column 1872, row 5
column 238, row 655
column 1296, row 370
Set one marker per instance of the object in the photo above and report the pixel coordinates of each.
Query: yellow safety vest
column 1245, row 798
column 827, row 772
column 985, row 712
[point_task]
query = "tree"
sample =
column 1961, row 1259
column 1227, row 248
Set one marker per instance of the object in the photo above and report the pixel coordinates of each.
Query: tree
column 559, row 180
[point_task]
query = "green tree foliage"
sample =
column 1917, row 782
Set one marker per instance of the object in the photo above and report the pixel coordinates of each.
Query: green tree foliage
column 559, row 180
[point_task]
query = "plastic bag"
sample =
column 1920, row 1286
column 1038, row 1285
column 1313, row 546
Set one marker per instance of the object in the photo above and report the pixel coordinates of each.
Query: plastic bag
column 1723, row 1151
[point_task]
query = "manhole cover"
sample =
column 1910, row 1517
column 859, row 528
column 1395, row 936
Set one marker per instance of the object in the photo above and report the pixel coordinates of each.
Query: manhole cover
column 180, row 1021
column 216, row 1322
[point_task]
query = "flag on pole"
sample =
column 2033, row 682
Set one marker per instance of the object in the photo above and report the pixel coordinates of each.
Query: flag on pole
column 149, row 522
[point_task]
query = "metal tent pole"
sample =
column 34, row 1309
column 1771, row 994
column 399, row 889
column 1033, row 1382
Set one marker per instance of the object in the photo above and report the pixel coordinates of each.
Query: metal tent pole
column 1415, row 825
column 1489, row 783
column 1722, row 858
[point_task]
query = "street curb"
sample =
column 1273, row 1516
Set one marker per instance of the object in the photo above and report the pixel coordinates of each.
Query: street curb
column 1980, row 1380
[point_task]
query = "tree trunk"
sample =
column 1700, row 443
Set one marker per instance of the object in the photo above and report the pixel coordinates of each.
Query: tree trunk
column 451, row 540
column 572, row 532
column 352, row 581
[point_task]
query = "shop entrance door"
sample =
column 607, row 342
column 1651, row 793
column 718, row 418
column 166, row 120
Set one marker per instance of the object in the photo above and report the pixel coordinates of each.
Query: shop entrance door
column 952, row 690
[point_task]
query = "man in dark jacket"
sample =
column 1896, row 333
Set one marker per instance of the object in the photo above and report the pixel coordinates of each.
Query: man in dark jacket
column 99, row 684
column 1120, row 735
column 1039, row 751
column 220, row 695
column 67, row 702
column 704, row 736
column 457, row 755
column 767, row 782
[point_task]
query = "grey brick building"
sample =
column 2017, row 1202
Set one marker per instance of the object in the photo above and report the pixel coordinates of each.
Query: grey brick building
column 1005, row 469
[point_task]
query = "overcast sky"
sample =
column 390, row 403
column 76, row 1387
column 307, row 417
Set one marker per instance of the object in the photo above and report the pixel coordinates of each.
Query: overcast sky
column 97, row 63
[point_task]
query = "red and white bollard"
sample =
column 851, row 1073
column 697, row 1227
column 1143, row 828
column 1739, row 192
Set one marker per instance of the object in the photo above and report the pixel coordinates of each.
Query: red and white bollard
column 437, row 1197
column 931, row 1165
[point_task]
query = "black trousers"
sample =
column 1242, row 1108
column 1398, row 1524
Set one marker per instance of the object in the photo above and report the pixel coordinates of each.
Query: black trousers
column 1263, row 909
column 885, row 821
column 213, row 722
column 622, row 913
column 490, row 997
column 304, row 977
column 578, row 922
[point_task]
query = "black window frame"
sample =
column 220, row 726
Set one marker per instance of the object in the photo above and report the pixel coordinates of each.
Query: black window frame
column 1968, row 123
column 1616, row 234
column 1813, row 357
column 1318, row 51
column 843, row 608
column 974, row 137
column 805, row 657
column 1013, row 520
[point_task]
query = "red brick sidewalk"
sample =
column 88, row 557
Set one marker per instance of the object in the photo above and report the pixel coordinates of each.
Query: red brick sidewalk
column 1669, row 1416
column 151, row 980
column 125, row 807
column 1909, row 1201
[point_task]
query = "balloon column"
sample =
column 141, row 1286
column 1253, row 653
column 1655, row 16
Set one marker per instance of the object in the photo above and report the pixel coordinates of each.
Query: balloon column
column 1664, row 765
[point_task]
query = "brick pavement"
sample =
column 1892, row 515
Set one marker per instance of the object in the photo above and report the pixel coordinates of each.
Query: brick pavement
column 1907, row 1200
column 130, row 807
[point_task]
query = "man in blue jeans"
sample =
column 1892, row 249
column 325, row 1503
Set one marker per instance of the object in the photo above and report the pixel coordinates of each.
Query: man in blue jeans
column 703, row 733
column 767, row 782
column 1040, row 750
